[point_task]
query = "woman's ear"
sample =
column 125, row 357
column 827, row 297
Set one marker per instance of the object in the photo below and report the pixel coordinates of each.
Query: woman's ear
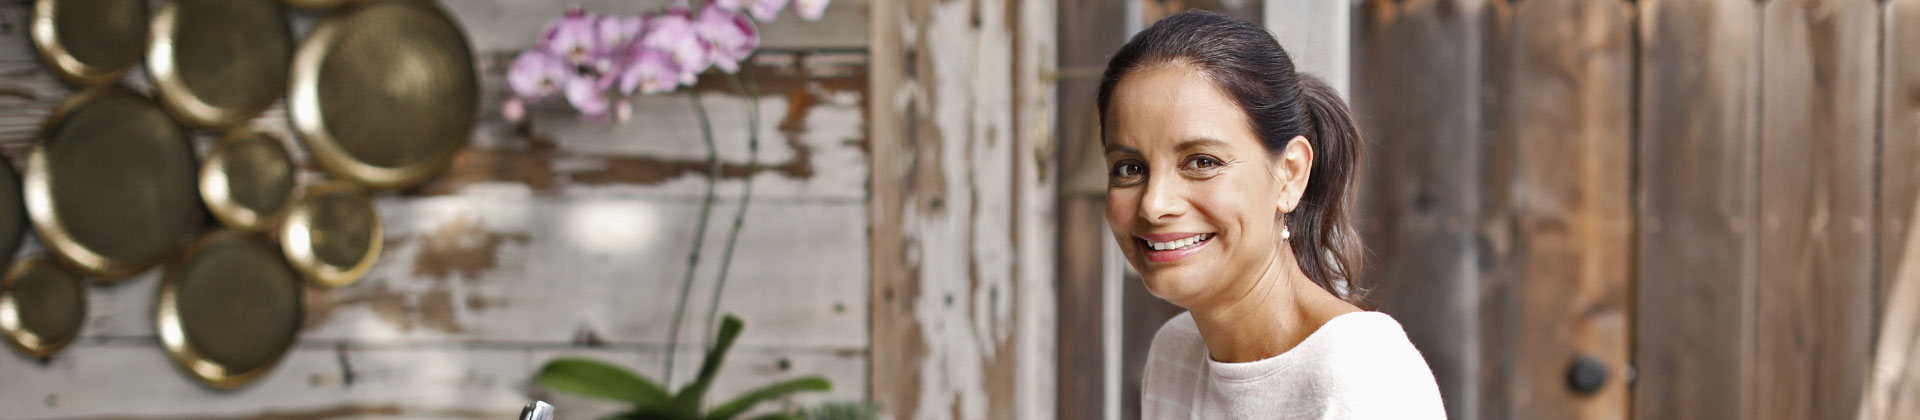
column 1291, row 168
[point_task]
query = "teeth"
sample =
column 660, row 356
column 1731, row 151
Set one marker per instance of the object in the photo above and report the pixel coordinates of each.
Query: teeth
column 1178, row 243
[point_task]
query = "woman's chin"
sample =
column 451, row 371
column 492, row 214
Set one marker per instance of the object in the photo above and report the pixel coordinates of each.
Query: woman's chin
column 1177, row 285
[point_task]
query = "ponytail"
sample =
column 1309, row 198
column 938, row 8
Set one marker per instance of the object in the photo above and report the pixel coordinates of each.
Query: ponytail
column 1328, row 249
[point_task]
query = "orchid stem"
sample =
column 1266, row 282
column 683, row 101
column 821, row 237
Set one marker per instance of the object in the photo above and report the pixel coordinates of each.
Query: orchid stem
column 699, row 235
column 751, row 89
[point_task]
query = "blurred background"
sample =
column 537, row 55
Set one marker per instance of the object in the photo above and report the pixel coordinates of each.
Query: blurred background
column 1579, row 209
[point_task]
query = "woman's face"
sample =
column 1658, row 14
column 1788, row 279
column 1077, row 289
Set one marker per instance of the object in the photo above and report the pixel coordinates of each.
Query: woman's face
column 1193, row 198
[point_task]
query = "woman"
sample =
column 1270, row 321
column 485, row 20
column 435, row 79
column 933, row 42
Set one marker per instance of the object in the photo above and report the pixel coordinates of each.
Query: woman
column 1230, row 189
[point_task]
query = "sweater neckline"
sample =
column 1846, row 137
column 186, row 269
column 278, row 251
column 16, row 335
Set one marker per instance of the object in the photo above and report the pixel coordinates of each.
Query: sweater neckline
column 1316, row 346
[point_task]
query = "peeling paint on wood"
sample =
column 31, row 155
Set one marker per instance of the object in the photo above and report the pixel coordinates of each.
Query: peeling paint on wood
column 962, row 209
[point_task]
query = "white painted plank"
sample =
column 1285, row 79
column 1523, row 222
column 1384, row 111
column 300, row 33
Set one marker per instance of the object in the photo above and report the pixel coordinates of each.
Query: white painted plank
column 507, row 267
column 134, row 379
column 503, row 25
column 1317, row 36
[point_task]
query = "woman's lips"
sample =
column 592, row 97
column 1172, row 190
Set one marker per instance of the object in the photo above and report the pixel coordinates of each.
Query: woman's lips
column 1169, row 247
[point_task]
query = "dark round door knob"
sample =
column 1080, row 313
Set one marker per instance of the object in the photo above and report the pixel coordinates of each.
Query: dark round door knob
column 1586, row 375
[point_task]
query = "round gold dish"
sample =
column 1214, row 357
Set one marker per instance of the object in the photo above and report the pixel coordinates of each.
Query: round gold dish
column 228, row 309
column 109, row 184
column 216, row 63
column 384, row 93
column 89, row 42
column 247, row 180
column 42, row 306
column 333, row 234
column 13, row 212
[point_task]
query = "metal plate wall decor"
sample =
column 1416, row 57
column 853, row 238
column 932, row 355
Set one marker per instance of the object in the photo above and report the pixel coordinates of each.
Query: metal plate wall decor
column 332, row 235
column 89, row 42
column 109, row 184
column 42, row 306
column 384, row 93
column 228, row 309
column 216, row 63
column 248, row 180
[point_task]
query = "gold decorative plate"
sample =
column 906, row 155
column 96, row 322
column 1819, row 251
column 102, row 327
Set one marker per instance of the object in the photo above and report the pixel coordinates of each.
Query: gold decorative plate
column 13, row 212
column 247, row 180
column 110, row 183
column 384, row 93
column 216, row 63
column 89, row 42
column 42, row 306
column 333, row 234
column 228, row 309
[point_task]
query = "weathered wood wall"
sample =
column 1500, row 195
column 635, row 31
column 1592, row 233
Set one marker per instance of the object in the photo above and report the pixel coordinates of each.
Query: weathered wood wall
column 1703, row 204
column 558, row 237
column 963, row 194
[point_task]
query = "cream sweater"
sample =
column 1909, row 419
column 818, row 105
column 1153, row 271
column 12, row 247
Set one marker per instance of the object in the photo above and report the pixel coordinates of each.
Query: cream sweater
column 1357, row 366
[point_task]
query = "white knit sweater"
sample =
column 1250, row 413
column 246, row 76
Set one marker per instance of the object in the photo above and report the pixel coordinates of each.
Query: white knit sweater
column 1357, row 366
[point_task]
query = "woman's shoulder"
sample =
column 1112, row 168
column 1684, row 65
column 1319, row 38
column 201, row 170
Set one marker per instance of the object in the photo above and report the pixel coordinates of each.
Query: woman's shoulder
column 1369, row 353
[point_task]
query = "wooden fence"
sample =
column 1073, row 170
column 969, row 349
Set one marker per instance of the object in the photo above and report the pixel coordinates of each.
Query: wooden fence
column 1705, row 205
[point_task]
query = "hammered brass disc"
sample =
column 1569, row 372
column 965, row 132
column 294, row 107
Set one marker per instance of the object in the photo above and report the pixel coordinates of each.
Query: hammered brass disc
column 42, row 306
column 248, row 180
column 110, row 183
column 217, row 63
column 228, row 309
column 90, row 42
column 333, row 234
column 384, row 94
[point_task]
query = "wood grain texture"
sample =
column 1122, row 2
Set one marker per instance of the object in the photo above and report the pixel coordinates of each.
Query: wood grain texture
column 1088, row 35
column 1896, row 360
column 963, row 196
column 1697, row 192
column 1416, row 94
column 1815, row 270
column 1556, row 222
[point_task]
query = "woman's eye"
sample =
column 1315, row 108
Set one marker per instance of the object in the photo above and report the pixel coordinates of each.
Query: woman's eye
column 1204, row 162
column 1126, row 170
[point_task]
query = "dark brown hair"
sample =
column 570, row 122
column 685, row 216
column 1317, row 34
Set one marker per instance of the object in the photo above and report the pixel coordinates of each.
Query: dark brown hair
column 1246, row 62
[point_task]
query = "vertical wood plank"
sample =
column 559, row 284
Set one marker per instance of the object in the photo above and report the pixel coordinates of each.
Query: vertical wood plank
column 1697, row 193
column 1417, row 95
column 1318, row 36
column 1557, row 216
column 962, row 200
column 1815, row 274
column 1896, row 361
column 1088, row 35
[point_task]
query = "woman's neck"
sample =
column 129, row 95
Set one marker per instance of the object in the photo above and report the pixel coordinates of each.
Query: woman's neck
column 1275, row 312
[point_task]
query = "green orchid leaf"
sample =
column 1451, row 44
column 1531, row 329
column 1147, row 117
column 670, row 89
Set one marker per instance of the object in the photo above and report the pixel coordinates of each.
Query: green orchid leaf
column 745, row 401
column 780, row 416
column 691, row 395
column 600, row 379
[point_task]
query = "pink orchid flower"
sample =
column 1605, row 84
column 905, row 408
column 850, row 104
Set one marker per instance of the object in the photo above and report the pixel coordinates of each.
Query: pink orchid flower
column 729, row 37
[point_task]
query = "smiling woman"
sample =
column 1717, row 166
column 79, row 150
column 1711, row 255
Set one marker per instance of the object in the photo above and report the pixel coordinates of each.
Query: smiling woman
column 1230, row 190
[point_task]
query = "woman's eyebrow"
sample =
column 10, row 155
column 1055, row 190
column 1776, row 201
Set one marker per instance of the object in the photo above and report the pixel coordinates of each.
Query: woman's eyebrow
column 1122, row 149
column 1200, row 143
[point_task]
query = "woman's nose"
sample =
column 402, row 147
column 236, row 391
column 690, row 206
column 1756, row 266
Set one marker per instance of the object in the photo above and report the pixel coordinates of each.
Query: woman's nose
column 1161, row 200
